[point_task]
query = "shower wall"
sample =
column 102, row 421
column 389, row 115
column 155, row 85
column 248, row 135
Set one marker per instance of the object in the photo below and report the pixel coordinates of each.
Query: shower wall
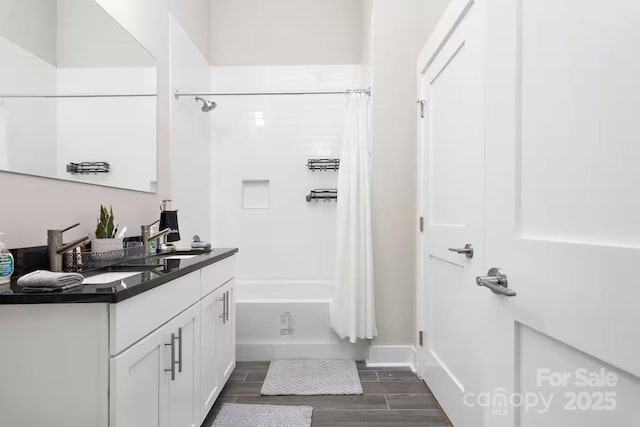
column 286, row 261
column 26, row 119
column 86, row 125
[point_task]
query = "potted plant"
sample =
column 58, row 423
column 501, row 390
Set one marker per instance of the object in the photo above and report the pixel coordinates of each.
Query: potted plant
column 105, row 240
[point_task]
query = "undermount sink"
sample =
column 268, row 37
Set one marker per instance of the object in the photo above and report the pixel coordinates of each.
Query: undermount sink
column 109, row 277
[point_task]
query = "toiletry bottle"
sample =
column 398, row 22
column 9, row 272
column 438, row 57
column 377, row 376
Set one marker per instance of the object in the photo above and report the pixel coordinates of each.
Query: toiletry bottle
column 6, row 264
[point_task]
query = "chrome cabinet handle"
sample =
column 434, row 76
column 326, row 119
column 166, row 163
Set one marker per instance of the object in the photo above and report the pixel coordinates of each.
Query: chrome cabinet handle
column 173, row 357
column 226, row 311
column 223, row 316
column 180, row 350
column 496, row 280
column 467, row 250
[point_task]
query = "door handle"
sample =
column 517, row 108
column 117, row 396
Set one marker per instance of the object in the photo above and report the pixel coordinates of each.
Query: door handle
column 496, row 280
column 173, row 357
column 467, row 250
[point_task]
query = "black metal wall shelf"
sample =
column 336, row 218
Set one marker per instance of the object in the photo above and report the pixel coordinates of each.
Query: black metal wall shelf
column 86, row 168
column 323, row 164
column 324, row 194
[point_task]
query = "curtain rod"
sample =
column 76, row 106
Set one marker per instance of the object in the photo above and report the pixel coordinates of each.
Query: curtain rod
column 79, row 95
column 178, row 94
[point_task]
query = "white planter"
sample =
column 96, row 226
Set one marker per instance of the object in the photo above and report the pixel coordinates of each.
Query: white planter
column 107, row 248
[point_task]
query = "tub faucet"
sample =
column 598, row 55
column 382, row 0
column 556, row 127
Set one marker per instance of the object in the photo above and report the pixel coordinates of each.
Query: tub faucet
column 57, row 248
column 145, row 232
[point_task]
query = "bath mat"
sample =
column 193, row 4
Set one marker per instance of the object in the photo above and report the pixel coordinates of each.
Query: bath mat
column 311, row 377
column 239, row 415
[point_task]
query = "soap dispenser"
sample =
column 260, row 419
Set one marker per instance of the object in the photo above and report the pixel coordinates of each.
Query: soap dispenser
column 6, row 264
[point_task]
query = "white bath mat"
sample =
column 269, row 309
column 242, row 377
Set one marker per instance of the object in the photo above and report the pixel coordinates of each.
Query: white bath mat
column 311, row 377
column 239, row 415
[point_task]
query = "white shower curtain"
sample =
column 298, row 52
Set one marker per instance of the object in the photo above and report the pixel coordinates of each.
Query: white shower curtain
column 352, row 308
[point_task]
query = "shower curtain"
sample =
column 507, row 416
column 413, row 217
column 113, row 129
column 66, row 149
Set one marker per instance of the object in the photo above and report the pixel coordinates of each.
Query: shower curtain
column 352, row 308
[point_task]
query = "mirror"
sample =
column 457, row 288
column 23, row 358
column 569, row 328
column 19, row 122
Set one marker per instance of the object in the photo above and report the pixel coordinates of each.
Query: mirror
column 77, row 95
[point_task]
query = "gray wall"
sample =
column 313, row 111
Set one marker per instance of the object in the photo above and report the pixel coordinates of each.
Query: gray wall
column 89, row 37
column 286, row 32
column 39, row 37
column 399, row 30
column 428, row 14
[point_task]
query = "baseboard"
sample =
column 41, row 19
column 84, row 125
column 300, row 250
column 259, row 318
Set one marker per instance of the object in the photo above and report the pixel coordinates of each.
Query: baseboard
column 256, row 352
column 381, row 356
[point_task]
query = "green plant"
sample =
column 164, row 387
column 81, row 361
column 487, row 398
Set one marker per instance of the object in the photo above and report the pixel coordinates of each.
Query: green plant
column 105, row 228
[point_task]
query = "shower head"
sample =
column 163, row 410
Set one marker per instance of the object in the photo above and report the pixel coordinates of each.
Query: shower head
column 206, row 105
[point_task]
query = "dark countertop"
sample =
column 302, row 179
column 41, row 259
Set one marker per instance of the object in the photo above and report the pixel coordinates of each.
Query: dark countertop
column 156, row 271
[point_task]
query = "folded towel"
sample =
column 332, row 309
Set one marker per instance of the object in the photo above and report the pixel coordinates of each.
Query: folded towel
column 42, row 279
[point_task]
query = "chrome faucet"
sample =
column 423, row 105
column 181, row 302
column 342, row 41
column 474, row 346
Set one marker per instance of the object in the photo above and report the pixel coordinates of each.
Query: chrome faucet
column 145, row 232
column 57, row 248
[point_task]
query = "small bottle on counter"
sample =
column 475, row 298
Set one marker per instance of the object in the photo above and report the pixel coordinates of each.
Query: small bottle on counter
column 6, row 263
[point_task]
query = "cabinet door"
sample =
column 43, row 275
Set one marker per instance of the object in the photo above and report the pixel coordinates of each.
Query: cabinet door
column 184, row 388
column 139, row 385
column 210, row 312
column 232, row 326
column 226, row 333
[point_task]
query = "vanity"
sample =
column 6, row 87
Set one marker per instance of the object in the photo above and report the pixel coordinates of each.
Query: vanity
column 144, row 345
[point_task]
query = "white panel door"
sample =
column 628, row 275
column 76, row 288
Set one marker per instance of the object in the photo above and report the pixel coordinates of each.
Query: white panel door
column 210, row 310
column 184, row 410
column 563, row 211
column 452, row 203
column 139, row 385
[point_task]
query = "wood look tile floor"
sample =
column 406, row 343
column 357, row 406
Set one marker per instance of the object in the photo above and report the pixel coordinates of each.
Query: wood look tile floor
column 393, row 397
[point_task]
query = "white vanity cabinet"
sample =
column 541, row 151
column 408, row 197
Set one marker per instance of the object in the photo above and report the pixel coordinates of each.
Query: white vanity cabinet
column 217, row 336
column 155, row 382
column 138, row 384
column 210, row 384
column 183, row 371
column 184, row 363
column 156, row 359
column 226, row 335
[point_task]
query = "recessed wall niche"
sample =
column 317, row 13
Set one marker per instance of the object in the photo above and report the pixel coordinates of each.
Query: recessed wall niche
column 256, row 194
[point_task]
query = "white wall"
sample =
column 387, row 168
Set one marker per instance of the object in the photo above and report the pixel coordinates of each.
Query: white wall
column 365, row 41
column 271, row 138
column 23, row 120
column 190, row 138
column 286, row 32
column 286, row 259
column 194, row 17
column 388, row 44
column 120, row 131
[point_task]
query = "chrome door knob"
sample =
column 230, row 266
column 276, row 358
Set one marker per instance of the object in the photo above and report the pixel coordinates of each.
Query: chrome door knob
column 466, row 251
column 496, row 280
